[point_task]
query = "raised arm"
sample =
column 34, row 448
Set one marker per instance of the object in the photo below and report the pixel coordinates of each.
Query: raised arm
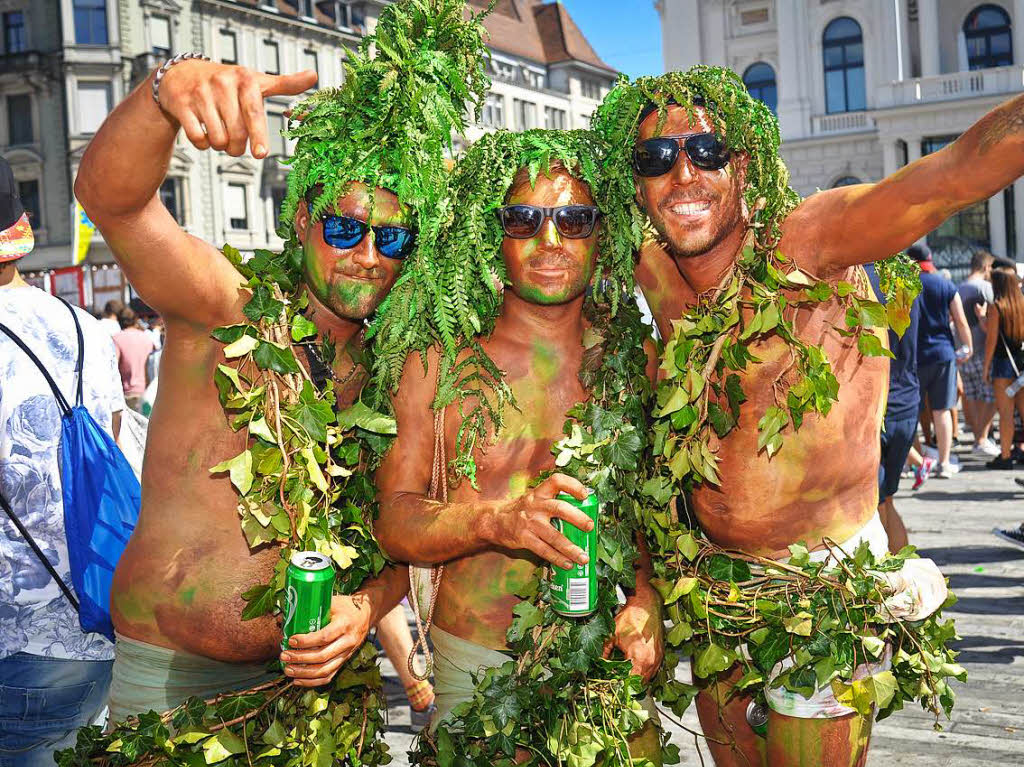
column 839, row 228
column 118, row 181
column 412, row 528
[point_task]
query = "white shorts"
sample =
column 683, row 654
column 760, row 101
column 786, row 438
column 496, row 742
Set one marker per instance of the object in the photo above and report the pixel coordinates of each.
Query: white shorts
column 823, row 704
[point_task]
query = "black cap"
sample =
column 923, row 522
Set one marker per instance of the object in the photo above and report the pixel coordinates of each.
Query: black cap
column 10, row 204
column 919, row 253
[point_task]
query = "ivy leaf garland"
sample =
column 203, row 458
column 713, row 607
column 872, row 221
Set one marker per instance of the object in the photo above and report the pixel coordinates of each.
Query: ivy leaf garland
column 304, row 480
column 727, row 607
column 557, row 700
column 303, row 484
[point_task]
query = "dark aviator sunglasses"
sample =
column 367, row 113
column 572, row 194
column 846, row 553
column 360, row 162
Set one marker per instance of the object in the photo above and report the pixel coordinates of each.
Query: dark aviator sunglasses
column 345, row 232
column 575, row 222
column 657, row 156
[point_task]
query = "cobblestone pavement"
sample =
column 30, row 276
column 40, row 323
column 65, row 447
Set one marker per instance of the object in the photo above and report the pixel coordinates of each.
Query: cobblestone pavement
column 951, row 522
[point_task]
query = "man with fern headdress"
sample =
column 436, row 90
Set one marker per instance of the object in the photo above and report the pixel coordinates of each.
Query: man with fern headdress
column 774, row 383
column 519, row 360
column 367, row 174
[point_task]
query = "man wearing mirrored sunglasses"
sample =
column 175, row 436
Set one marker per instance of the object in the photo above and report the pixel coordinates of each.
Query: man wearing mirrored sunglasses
column 493, row 534
column 177, row 593
column 704, row 157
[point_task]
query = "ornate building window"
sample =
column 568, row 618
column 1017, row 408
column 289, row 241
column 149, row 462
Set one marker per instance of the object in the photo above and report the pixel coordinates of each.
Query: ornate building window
column 90, row 22
column 760, row 81
column 843, row 45
column 989, row 43
column 846, row 181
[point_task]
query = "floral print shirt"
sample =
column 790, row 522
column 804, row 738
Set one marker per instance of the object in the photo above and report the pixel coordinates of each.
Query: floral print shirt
column 35, row 616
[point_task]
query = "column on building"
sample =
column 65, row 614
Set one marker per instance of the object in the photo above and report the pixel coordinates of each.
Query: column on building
column 890, row 155
column 1018, row 217
column 997, row 223
column 1017, row 27
column 928, row 32
column 794, row 104
column 680, row 34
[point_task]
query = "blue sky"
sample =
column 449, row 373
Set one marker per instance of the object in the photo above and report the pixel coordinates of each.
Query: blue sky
column 625, row 33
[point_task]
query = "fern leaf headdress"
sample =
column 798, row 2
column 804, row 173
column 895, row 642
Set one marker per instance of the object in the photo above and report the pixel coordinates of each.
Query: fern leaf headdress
column 451, row 295
column 390, row 124
column 747, row 124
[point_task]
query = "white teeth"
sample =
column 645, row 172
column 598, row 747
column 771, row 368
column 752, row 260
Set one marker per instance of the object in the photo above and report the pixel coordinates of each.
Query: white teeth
column 690, row 208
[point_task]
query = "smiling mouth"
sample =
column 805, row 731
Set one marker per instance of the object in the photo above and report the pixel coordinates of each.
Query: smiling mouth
column 696, row 208
column 359, row 277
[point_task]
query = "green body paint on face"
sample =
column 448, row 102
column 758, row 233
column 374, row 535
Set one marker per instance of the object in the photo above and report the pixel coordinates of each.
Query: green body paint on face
column 187, row 596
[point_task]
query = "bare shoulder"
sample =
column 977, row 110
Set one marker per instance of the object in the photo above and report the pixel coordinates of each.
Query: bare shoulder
column 812, row 229
column 416, row 387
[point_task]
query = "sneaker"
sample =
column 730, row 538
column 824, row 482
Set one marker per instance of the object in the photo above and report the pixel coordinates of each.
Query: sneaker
column 1019, row 481
column 1000, row 463
column 922, row 472
column 1014, row 536
column 987, row 447
column 944, row 471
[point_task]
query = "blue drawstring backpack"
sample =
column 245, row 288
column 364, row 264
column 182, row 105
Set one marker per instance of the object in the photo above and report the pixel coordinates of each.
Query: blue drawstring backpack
column 102, row 498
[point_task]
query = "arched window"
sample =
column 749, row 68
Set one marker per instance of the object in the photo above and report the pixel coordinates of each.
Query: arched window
column 760, row 81
column 987, row 32
column 846, row 181
column 844, row 66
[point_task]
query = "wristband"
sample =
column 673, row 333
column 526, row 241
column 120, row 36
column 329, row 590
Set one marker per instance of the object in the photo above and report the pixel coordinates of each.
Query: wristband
column 158, row 78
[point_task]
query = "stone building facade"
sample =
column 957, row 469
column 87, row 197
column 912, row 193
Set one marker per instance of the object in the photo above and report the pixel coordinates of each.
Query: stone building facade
column 64, row 64
column 862, row 87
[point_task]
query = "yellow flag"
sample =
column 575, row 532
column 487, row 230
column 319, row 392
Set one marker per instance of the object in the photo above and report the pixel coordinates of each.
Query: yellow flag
column 82, row 229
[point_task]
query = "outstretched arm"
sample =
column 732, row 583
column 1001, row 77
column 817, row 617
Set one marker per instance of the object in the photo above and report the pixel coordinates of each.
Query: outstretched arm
column 118, row 181
column 413, row 528
column 839, row 228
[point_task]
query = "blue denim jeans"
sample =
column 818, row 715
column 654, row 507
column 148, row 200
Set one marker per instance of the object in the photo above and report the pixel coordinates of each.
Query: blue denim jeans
column 43, row 702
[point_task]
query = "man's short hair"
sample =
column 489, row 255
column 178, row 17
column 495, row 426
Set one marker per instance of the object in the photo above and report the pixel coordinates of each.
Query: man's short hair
column 981, row 260
column 126, row 317
column 113, row 307
column 919, row 253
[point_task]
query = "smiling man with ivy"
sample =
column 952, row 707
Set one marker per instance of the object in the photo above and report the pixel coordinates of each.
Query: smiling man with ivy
column 523, row 372
column 768, row 413
column 255, row 421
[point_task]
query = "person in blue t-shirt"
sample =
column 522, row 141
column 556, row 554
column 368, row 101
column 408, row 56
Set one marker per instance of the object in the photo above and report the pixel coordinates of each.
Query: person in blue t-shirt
column 901, row 413
column 938, row 355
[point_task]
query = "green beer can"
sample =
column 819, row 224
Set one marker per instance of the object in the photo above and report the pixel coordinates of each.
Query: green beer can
column 309, row 584
column 574, row 591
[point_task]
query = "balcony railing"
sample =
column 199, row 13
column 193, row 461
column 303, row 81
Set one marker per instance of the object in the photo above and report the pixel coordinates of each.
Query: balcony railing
column 844, row 122
column 29, row 61
column 952, row 86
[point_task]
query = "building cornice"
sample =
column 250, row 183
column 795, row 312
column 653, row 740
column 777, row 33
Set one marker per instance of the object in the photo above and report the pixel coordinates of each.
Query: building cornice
column 245, row 12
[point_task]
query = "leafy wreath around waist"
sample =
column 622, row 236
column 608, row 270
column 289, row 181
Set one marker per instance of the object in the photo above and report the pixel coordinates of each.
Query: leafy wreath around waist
column 304, row 483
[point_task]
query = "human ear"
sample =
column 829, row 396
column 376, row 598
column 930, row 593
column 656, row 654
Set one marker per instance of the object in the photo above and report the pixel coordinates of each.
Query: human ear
column 301, row 221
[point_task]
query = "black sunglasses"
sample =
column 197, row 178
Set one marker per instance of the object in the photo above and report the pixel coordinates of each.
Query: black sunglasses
column 657, row 156
column 521, row 222
column 346, row 232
